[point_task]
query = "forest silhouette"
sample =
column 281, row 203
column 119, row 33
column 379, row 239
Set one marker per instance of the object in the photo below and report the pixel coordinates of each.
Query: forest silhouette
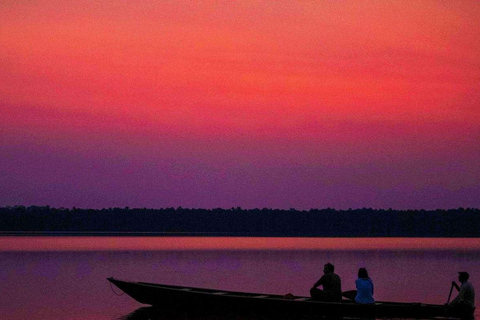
column 365, row 222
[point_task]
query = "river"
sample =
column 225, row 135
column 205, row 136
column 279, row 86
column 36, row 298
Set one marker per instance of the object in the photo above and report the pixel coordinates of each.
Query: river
column 65, row 277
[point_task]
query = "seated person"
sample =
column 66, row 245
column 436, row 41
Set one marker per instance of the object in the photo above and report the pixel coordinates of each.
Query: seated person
column 464, row 303
column 364, row 287
column 331, row 283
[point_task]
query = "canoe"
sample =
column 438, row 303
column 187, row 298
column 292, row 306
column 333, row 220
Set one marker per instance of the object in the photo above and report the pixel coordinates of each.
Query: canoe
column 164, row 296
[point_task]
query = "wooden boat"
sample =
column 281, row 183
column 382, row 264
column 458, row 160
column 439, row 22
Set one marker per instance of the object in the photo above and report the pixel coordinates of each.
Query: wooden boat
column 209, row 300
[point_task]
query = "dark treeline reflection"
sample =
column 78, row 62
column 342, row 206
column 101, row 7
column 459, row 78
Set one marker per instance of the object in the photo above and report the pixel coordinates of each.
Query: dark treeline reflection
column 241, row 222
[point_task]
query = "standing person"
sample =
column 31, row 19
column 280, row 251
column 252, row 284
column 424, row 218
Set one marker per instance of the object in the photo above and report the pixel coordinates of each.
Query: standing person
column 331, row 283
column 364, row 287
column 465, row 300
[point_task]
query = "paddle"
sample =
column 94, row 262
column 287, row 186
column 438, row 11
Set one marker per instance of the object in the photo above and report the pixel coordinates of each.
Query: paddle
column 450, row 294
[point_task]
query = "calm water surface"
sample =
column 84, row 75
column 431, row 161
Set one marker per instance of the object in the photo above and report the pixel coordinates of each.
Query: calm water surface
column 65, row 277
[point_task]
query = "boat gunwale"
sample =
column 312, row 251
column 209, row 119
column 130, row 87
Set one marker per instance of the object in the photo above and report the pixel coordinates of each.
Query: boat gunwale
column 296, row 299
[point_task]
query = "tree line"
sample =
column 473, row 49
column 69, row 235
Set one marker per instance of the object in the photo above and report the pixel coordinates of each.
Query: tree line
column 365, row 222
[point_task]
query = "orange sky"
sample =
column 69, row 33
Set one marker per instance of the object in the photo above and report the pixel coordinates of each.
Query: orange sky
column 367, row 99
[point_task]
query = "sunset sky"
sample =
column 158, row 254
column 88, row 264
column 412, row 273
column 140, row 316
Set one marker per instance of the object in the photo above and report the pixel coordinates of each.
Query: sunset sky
column 303, row 104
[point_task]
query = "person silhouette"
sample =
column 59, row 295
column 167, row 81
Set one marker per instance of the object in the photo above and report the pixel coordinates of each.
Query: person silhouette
column 364, row 287
column 331, row 283
column 464, row 302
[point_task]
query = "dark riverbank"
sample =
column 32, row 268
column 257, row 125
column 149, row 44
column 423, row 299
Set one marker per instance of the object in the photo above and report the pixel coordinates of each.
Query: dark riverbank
column 37, row 221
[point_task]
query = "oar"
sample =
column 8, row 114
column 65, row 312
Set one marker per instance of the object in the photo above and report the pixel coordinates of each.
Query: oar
column 450, row 294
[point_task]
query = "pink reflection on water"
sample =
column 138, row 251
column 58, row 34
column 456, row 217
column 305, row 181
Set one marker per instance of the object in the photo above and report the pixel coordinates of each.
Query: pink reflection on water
column 18, row 243
column 56, row 284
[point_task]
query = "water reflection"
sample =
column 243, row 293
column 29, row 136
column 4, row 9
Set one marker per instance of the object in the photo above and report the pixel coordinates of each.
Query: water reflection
column 144, row 313
column 154, row 313
column 56, row 284
column 88, row 243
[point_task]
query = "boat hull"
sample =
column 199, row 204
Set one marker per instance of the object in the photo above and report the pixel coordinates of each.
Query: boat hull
column 207, row 300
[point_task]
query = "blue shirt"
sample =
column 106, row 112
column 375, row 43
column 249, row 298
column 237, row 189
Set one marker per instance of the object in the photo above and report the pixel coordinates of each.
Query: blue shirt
column 364, row 291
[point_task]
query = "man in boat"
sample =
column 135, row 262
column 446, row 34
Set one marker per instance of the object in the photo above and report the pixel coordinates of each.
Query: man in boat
column 465, row 300
column 331, row 283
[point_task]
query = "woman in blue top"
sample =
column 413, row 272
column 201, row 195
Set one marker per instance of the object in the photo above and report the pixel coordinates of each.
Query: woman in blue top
column 364, row 287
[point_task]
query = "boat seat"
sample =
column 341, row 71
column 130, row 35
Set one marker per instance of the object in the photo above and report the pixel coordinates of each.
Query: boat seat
column 219, row 293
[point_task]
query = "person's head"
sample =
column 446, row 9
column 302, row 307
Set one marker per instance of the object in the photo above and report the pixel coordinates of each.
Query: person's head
column 362, row 273
column 328, row 268
column 463, row 276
